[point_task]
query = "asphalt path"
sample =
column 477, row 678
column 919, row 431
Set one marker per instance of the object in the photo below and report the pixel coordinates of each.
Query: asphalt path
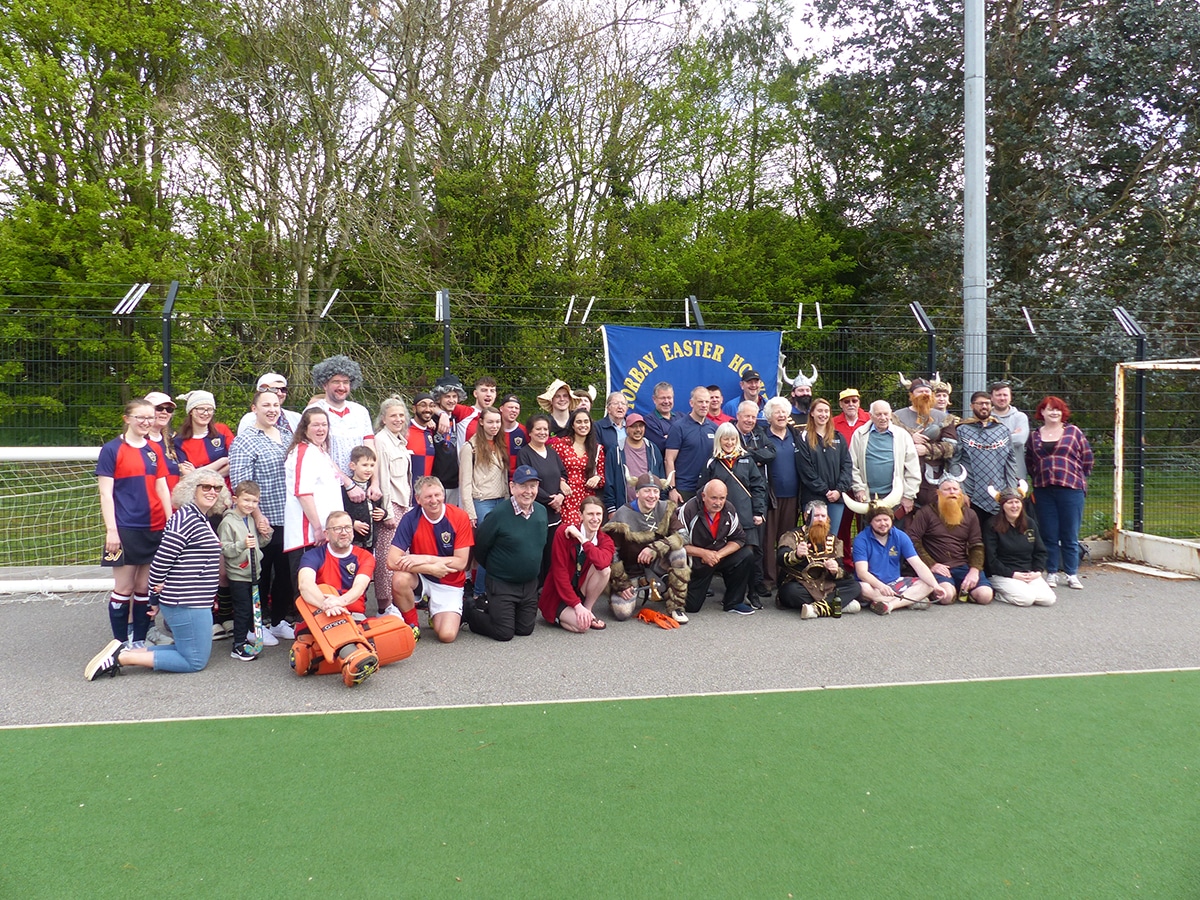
column 1119, row 622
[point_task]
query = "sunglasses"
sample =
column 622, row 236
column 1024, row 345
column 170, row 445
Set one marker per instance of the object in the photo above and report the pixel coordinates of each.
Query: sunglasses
column 164, row 409
column 209, row 488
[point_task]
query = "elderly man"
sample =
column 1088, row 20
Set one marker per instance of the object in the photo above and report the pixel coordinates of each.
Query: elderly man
column 662, row 417
column 878, row 552
column 752, row 391
column 1014, row 420
column 610, row 430
column 509, row 544
column 946, row 536
column 714, row 539
column 288, row 420
column 430, row 551
column 689, row 447
column 811, row 576
column 932, row 431
column 985, row 449
column 885, row 462
column 638, row 457
column 648, row 548
column 349, row 422
column 849, row 420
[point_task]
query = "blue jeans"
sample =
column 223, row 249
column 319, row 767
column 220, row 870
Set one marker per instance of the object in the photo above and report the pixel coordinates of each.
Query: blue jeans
column 836, row 511
column 192, row 629
column 1060, row 515
column 482, row 508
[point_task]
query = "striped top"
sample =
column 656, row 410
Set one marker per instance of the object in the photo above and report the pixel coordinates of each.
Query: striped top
column 188, row 561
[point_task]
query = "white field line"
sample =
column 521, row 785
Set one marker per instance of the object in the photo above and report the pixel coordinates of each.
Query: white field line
column 621, row 699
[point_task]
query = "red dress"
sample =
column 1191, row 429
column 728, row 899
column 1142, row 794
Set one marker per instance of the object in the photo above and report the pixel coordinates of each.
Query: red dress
column 576, row 467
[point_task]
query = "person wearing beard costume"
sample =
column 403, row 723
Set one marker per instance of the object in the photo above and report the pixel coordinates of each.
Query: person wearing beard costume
column 933, row 432
column 948, row 539
column 811, row 576
column 801, row 397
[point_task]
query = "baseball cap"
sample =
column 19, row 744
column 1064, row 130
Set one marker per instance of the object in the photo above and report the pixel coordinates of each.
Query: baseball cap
column 634, row 418
column 849, row 392
column 525, row 474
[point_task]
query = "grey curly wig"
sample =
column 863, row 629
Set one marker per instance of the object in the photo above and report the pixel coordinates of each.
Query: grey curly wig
column 337, row 365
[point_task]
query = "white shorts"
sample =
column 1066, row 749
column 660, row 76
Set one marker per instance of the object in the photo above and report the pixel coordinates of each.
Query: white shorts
column 442, row 598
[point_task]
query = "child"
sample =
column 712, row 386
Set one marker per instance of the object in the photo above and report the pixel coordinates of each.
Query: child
column 365, row 512
column 238, row 540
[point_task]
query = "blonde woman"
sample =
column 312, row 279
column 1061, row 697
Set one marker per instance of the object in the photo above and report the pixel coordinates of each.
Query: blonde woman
column 395, row 484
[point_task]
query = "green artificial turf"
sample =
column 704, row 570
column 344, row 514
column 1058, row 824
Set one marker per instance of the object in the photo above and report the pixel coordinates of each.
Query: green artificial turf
column 1076, row 787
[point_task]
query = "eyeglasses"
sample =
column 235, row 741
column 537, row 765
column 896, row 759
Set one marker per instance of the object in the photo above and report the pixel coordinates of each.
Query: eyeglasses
column 145, row 420
column 338, row 529
column 209, row 488
column 169, row 409
column 207, row 410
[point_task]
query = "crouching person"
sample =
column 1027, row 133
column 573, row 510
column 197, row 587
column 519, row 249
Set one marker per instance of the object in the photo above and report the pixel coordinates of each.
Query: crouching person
column 811, row 577
column 580, row 568
column 648, row 549
column 509, row 545
column 336, row 634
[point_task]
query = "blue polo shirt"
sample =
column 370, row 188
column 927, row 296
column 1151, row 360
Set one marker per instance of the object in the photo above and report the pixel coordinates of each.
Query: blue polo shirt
column 883, row 560
column 657, row 428
column 694, row 441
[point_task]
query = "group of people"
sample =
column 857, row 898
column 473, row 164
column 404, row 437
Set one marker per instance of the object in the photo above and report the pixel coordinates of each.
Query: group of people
column 480, row 518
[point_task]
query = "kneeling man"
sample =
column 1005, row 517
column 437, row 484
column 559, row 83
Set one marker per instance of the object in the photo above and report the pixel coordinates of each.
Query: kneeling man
column 713, row 538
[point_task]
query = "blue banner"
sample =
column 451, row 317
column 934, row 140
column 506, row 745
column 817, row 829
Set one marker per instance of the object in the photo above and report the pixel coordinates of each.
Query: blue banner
column 636, row 359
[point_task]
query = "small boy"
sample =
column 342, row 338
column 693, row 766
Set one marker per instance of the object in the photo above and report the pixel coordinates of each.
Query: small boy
column 239, row 539
column 366, row 512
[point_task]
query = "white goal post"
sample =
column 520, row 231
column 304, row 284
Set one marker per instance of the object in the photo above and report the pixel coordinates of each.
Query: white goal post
column 50, row 524
column 1168, row 553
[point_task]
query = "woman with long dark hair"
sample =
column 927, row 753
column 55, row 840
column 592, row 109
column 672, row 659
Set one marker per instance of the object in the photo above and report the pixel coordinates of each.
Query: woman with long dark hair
column 202, row 443
column 483, row 476
column 824, row 462
column 1015, row 555
column 1059, row 460
column 314, row 486
column 583, row 460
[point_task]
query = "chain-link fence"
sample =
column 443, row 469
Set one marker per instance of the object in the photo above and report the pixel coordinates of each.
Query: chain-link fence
column 69, row 373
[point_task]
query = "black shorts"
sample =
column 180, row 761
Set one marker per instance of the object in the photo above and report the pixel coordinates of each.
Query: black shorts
column 138, row 546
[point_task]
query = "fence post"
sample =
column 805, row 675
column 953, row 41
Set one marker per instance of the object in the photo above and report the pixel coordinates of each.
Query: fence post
column 168, row 308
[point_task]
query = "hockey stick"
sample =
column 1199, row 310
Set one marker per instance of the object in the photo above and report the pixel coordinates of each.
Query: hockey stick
column 258, row 625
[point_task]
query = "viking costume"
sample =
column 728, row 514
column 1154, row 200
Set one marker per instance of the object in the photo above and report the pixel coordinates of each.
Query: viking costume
column 633, row 530
column 804, row 581
column 938, row 427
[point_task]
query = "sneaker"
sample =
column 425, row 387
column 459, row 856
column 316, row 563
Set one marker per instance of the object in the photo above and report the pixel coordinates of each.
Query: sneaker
column 358, row 666
column 243, row 652
column 919, row 604
column 392, row 610
column 851, row 608
column 269, row 639
column 135, row 645
column 158, row 638
column 104, row 662
column 807, row 611
column 219, row 632
column 283, row 630
column 416, row 633
column 880, row 607
column 742, row 609
column 679, row 616
column 753, row 600
column 1052, row 579
column 1074, row 582
column 228, row 626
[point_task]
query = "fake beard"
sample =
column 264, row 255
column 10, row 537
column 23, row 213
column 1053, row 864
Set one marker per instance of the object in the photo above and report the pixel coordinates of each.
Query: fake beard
column 802, row 403
column 817, row 533
column 922, row 403
column 950, row 509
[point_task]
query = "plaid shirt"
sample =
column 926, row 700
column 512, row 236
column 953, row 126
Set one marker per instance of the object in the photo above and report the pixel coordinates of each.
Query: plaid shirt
column 1068, row 466
column 255, row 457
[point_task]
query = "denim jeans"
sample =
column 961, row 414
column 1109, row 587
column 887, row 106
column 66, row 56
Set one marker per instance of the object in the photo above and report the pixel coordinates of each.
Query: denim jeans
column 192, row 629
column 1060, row 515
column 482, row 508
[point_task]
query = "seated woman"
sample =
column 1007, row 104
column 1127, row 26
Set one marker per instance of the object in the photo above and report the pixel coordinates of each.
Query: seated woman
column 1015, row 555
column 580, row 566
column 183, row 583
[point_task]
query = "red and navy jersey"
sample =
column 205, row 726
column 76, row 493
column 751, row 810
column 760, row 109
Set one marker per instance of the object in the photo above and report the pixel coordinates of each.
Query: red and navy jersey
column 420, row 445
column 202, row 451
column 134, row 471
column 339, row 572
column 172, row 465
column 417, row 535
column 517, row 438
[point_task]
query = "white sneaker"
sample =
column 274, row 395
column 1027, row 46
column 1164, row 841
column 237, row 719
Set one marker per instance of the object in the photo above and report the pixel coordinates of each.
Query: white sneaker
column 679, row 616
column 283, row 630
column 1074, row 582
column 391, row 610
column 1052, row 579
column 219, row 633
column 269, row 640
column 807, row 611
column 851, row 608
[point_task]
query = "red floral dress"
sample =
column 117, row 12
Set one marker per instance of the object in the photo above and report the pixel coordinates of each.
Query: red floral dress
column 576, row 467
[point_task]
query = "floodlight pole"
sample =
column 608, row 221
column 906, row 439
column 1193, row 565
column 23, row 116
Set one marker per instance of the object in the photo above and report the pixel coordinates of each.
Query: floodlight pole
column 167, row 311
column 442, row 314
column 1132, row 328
column 974, row 202
column 695, row 305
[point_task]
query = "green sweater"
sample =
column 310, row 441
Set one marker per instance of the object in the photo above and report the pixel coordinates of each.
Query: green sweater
column 510, row 546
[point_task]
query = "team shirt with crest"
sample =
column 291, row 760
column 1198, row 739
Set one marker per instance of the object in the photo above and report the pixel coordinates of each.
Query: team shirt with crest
column 208, row 449
column 340, row 571
column 134, row 471
column 416, row 534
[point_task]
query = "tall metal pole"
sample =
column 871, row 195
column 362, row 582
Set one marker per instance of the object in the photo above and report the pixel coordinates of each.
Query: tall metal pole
column 167, row 312
column 974, row 204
